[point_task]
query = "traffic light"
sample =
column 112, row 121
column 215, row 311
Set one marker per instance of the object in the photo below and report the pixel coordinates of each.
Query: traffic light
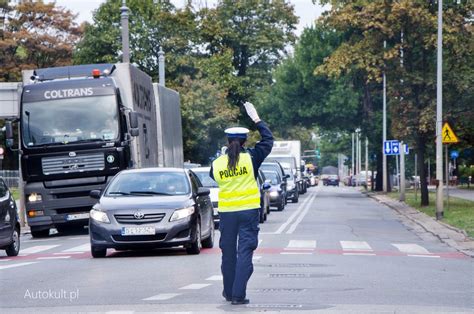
column 318, row 153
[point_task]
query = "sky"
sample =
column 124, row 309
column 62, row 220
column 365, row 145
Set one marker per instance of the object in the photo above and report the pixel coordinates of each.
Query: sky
column 304, row 9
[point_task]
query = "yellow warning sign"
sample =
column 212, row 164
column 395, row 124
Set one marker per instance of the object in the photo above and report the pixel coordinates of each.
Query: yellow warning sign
column 448, row 135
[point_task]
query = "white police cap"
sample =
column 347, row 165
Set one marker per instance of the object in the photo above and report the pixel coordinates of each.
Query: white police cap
column 237, row 132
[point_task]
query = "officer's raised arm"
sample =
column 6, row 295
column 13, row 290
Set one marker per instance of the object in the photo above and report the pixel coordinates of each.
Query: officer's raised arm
column 264, row 147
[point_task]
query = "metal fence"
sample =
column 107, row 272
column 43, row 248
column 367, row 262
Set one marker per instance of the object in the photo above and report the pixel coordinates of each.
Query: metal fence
column 11, row 177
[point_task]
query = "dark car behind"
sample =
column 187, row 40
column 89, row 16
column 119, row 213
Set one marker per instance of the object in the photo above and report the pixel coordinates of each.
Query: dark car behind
column 277, row 197
column 152, row 208
column 9, row 222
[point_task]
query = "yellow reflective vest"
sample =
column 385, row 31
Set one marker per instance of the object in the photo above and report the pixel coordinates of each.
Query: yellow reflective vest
column 238, row 189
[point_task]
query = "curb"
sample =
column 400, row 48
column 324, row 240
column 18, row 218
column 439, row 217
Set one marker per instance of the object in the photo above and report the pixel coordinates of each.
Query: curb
column 465, row 246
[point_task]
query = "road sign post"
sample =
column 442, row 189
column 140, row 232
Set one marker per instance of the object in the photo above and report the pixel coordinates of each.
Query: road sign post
column 402, row 173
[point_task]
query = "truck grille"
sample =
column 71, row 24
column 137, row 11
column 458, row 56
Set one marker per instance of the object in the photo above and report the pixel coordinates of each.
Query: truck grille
column 79, row 163
column 148, row 218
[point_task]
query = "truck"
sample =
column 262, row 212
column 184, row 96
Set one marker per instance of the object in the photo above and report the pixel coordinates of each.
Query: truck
column 288, row 154
column 81, row 125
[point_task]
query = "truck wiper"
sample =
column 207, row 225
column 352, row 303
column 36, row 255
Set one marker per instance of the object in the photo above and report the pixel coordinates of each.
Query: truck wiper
column 149, row 193
column 87, row 140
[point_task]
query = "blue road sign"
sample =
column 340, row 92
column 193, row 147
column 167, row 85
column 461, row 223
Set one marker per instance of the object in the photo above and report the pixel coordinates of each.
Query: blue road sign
column 391, row 147
column 454, row 154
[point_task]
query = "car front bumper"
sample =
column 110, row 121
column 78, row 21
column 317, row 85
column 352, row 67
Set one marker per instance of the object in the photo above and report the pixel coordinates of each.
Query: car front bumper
column 167, row 234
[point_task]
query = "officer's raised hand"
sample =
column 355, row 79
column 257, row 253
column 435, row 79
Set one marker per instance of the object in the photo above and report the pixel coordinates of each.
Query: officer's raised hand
column 252, row 112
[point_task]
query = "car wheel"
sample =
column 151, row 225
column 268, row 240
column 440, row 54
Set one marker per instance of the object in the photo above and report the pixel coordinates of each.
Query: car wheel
column 98, row 252
column 295, row 198
column 281, row 206
column 14, row 248
column 209, row 242
column 195, row 247
column 39, row 233
column 268, row 210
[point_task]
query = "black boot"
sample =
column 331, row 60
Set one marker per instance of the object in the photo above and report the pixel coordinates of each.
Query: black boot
column 240, row 301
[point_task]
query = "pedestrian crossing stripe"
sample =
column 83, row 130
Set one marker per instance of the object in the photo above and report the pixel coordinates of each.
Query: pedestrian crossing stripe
column 448, row 135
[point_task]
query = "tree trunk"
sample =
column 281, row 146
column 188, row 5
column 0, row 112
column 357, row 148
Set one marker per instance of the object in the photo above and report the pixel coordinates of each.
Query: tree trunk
column 421, row 147
column 378, row 178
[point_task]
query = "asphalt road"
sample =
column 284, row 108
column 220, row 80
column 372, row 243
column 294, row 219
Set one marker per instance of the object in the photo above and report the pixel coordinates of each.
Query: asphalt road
column 334, row 251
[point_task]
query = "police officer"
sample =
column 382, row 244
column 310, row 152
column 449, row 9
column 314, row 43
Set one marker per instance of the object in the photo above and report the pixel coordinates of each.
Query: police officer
column 239, row 203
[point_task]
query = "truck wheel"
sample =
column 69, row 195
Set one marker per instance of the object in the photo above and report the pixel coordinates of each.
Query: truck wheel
column 39, row 233
column 195, row 247
column 209, row 242
column 98, row 252
column 14, row 248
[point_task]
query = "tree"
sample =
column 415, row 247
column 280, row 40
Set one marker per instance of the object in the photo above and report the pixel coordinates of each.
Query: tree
column 257, row 32
column 36, row 35
column 409, row 27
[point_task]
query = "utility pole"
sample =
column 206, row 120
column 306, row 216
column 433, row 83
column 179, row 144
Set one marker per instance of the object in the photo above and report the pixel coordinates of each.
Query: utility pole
column 366, row 163
column 357, row 152
column 384, row 157
column 360, row 154
column 439, row 116
column 402, row 172
column 416, row 182
column 353, row 161
column 125, row 37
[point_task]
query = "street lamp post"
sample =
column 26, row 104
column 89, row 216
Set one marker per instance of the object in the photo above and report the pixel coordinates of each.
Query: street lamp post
column 125, row 36
column 384, row 157
column 439, row 116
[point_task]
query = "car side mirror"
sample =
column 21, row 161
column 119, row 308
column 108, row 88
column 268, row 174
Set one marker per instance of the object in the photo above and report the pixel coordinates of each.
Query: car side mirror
column 95, row 194
column 134, row 132
column 266, row 185
column 286, row 176
column 203, row 191
column 133, row 118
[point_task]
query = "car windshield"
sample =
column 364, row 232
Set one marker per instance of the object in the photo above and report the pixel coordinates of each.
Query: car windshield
column 149, row 184
column 272, row 176
column 63, row 121
column 206, row 179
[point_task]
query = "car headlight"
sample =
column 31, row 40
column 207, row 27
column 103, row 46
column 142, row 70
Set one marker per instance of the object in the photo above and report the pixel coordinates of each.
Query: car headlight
column 34, row 197
column 99, row 216
column 182, row 213
column 274, row 193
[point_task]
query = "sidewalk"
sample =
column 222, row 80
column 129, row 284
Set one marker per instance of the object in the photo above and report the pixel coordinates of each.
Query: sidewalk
column 452, row 236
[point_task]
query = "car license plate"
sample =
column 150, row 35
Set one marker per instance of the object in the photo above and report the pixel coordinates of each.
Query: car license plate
column 142, row 230
column 77, row 216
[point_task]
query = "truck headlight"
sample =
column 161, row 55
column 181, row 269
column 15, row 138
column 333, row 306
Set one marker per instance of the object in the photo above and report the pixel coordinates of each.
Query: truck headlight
column 99, row 216
column 182, row 213
column 34, row 197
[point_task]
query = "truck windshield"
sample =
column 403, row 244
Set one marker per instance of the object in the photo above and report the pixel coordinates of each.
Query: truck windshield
column 63, row 121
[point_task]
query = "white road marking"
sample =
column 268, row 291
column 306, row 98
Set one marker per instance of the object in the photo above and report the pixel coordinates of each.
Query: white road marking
column 43, row 240
column 302, row 244
column 259, row 242
column 67, row 253
column 5, row 260
column 432, row 256
column 355, row 246
column 54, row 257
column 297, row 249
column 163, row 296
column 215, row 278
column 301, row 216
column 16, row 265
column 411, row 248
column 81, row 248
column 257, row 257
column 290, row 219
column 120, row 312
column 37, row 249
column 195, row 286
column 366, row 254
column 296, row 253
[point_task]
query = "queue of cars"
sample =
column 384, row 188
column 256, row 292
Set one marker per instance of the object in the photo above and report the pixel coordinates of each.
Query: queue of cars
column 158, row 207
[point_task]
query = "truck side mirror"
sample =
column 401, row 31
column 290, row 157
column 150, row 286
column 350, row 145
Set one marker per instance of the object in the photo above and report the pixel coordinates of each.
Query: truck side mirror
column 9, row 134
column 133, row 117
column 135, row 132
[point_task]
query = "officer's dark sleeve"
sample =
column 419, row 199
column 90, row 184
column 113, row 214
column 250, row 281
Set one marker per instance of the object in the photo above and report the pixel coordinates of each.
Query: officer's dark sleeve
column 211, row 174
column 264, row 147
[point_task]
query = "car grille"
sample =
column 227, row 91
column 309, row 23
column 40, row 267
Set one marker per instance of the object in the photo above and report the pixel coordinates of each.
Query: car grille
column 139, row 238
column 148, row 218
column 79, row 163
